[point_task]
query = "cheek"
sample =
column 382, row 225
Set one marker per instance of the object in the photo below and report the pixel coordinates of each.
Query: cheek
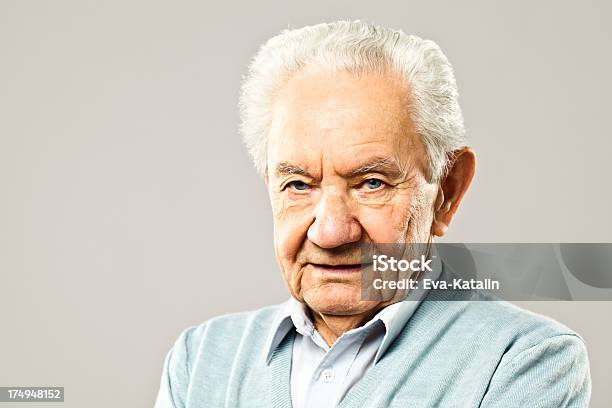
column 403, row 219
column 384, row 224
column 289, row 235
column 387, row 223
column 290, row 229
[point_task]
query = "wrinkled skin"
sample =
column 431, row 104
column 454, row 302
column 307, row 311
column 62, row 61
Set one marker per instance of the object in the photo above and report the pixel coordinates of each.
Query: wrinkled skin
column 345, row 167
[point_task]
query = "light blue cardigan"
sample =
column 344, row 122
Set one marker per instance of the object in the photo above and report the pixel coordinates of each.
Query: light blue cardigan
column 465, row 352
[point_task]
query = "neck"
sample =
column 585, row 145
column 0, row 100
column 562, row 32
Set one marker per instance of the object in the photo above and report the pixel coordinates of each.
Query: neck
column 330, row 327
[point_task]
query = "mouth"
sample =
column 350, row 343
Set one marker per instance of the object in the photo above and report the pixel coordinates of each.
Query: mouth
column 339, row 269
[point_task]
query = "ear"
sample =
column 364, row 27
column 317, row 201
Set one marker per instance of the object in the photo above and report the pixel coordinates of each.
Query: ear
column 265, row 177
column 452, row 189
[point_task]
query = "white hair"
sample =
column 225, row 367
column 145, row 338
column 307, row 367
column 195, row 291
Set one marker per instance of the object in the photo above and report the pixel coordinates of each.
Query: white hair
column 355, row 46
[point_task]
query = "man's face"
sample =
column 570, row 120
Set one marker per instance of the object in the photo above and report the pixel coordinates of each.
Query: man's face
column 345, row 168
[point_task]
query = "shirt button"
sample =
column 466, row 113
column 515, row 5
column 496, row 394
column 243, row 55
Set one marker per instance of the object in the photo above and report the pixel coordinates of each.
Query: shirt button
column 328, row 375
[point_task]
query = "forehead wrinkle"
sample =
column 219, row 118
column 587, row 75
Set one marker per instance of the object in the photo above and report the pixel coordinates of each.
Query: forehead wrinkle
column 335, row 122
column 328, row 102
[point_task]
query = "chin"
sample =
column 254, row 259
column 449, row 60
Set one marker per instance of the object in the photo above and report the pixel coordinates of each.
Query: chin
column 336, row 299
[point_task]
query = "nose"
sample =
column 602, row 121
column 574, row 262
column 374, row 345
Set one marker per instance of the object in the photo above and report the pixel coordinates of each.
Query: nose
column 334, row 224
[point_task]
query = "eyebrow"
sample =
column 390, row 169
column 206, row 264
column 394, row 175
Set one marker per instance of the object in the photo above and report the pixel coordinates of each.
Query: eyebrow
column 383, row 165
column 286, row 168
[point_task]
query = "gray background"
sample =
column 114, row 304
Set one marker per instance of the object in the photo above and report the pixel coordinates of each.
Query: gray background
column 127, row 204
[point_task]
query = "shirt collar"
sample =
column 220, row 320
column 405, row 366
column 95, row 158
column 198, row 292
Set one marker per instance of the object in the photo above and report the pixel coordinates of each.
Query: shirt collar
column 293, row 315
column 280, row 328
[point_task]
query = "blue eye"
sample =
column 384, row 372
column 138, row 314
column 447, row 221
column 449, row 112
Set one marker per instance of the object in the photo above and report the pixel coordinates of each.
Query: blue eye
column 298, row 185
column 373, row 184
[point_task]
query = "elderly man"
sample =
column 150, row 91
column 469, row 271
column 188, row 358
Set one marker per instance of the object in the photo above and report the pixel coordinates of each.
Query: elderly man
column 359, row 137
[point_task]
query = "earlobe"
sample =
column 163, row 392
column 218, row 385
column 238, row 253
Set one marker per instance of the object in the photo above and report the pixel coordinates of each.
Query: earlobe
column 438, row 228
column 441, row 219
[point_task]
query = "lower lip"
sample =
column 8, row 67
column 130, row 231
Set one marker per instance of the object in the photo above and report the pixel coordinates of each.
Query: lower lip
column 340, row 270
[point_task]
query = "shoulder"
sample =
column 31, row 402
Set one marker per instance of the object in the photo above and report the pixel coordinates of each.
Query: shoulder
column 473, row 312
column 229, row 328
column 492, row 309
column 218, row 339
column 540, row 361
column 522, row 356
column 520, row 328
column 502, row 329
column 477, row 312
column 207, row 351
